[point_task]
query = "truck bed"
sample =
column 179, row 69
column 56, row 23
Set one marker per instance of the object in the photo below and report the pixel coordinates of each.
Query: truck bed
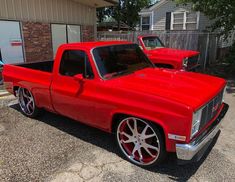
column 36, row 75
column 46, row 66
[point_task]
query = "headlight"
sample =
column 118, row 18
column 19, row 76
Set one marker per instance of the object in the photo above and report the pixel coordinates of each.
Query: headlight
column 196, row 122
column 185, row 63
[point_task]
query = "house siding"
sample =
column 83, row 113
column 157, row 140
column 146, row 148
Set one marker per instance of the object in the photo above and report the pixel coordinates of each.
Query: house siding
column 159, row 18
column 53, row 11
column 204, row 22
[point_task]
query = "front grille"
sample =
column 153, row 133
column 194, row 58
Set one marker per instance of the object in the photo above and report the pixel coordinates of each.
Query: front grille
column 210, row 110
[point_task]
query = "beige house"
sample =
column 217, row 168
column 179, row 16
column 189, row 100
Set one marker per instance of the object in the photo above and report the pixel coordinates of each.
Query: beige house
column 32, row 30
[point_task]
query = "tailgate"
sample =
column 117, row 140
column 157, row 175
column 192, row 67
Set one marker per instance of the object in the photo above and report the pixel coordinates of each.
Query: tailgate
column 38, row 82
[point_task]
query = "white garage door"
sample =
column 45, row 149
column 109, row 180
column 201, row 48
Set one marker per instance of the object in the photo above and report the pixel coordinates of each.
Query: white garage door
column 11, row 50
column 58, row 36
column 74, row 33
column 62, row 33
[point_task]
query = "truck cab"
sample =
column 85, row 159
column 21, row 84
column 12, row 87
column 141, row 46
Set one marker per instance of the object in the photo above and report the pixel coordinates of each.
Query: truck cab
column 167, row 57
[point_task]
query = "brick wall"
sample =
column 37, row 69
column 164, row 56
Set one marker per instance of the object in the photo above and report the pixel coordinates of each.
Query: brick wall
column 38, row 41
column 88, row 33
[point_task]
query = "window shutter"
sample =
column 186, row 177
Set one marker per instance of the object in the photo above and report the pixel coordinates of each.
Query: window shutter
column 168, row 20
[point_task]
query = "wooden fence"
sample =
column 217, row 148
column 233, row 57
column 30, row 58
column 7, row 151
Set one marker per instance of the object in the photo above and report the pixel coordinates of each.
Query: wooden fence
column 205, row 43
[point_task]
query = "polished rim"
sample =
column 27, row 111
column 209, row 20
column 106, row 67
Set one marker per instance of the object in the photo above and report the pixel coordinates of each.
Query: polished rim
column 26, row 101
column 138, row 141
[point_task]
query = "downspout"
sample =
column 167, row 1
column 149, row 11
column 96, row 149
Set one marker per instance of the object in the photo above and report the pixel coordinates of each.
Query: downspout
column 152, row 20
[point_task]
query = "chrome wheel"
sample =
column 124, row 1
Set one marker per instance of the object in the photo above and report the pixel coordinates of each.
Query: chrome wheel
column 138, row 141
column 26, row 101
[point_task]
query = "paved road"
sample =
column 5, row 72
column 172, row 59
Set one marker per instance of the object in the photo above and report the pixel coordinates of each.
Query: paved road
column 54, row 148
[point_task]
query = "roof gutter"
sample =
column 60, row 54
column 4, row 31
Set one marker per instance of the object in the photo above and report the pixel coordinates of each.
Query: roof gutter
column 112, row 2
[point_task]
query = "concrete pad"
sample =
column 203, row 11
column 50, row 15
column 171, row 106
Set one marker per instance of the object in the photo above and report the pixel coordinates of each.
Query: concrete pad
column 67, row 177
column 4, row 93
column 2, row 128
column 75, row 167
column 89, row 172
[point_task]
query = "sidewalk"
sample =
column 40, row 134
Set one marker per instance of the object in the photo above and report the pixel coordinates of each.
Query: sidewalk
column 3, row 92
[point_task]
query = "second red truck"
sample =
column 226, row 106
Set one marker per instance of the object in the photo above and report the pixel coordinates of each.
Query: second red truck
column 167, row 57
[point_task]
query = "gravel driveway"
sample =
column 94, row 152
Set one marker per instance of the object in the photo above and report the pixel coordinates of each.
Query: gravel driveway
column 55, row 148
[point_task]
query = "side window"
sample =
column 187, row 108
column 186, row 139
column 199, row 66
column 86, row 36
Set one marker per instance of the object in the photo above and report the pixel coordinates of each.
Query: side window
column 75, row 62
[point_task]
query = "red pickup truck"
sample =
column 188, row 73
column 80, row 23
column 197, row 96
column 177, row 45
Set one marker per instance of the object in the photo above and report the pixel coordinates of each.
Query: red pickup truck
column 114, row 87
column 166, row 57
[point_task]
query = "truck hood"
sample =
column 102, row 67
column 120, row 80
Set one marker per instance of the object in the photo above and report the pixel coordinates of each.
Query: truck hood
column 191, row 89
column 168, row 52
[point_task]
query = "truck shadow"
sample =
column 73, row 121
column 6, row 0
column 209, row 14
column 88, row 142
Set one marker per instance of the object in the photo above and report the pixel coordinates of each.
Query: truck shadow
column 106, row 141
column 178, row 172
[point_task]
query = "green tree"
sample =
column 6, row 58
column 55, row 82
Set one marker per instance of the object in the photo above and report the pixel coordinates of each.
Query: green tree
column 103, row 13
column 222, row 11
column 223, row 14
column 126, row 11
column 100, row 14
column 129, row 10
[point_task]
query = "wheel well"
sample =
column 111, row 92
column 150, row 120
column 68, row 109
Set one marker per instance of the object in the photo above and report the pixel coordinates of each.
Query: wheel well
column 161, row 65
column 15, row 89
column 117, row 117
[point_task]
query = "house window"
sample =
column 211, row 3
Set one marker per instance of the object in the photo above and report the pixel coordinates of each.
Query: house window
column 184, row 20
column 192, row 21
column 146, row 23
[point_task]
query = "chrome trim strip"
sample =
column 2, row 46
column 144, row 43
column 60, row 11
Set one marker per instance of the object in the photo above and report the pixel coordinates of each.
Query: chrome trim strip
column 96, row 66
column 188, row 151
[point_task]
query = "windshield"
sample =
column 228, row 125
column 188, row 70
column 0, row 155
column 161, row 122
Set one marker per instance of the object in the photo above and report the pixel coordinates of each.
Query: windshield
column 152, row 42
column 118, row 60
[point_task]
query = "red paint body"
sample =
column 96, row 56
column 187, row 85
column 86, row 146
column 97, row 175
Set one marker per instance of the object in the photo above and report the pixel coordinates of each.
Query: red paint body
column 165, row 97
column 167, row 56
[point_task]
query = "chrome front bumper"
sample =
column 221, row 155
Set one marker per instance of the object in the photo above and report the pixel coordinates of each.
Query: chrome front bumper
column 187, row 152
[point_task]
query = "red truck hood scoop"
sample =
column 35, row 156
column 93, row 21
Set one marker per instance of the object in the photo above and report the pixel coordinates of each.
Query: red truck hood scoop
column 188, row 88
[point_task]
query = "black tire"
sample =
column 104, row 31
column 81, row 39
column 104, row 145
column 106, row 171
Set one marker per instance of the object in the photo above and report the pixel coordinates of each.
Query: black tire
column 157, row 141
column 27, row 103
